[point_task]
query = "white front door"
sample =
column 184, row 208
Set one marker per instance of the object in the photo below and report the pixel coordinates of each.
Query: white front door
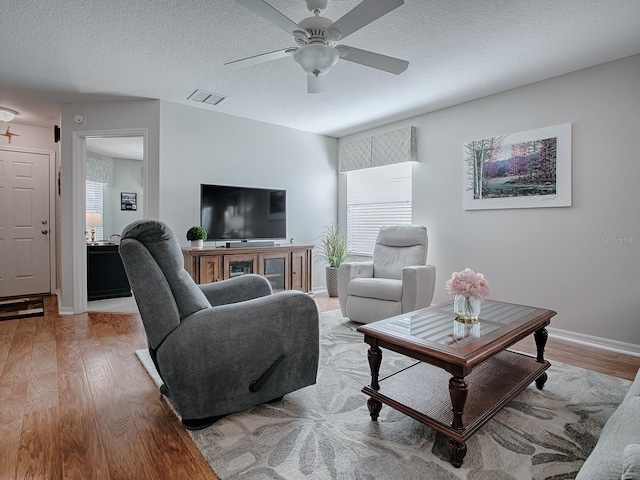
column 24, row 223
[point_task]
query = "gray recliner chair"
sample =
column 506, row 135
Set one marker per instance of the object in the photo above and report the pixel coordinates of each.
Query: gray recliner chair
column 221, row 347
column 395, row 282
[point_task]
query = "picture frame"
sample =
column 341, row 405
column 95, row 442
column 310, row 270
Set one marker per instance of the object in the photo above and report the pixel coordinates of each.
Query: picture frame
column 530, row 169
column 128, row 201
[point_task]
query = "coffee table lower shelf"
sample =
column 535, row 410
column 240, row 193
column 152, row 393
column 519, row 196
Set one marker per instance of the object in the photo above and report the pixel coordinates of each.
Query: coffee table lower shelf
column 421, row 391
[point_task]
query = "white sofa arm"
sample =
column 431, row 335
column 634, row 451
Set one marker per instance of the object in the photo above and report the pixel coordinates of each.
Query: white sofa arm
column 348, row 271
column 418, row 284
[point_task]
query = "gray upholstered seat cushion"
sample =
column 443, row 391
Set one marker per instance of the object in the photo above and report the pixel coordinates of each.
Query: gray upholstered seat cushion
column 631, row 462
column 622, row 429
column 381, row 288
column 634, row 390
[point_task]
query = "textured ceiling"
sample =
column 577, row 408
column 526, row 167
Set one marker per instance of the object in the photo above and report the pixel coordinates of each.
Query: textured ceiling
column 71, row 51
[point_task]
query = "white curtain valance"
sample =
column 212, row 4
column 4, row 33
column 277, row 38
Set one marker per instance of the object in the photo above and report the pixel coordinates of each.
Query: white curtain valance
column 98, row 169
column 396, row 146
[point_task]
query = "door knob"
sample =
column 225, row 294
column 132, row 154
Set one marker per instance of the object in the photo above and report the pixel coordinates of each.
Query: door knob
column 45, row 231
column 44, row 222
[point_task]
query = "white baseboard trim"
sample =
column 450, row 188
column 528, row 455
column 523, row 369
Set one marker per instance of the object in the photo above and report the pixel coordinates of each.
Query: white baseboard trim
column 61, row 310
column 597, row 342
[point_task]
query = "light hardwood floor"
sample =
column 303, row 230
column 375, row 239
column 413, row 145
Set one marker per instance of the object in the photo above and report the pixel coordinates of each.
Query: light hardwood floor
column 75, row 403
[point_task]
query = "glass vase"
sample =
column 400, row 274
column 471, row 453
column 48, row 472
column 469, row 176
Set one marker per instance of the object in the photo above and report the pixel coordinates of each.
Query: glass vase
column 462, row 331
column 467, row 309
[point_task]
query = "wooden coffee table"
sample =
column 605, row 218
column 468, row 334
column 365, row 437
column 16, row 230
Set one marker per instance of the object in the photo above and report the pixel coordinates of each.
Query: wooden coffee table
column 472, row 360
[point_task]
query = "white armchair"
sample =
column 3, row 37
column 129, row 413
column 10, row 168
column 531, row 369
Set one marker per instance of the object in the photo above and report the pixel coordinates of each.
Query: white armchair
column 396, row 281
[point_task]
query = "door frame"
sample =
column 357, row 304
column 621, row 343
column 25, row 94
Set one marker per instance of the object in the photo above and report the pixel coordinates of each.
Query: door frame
column 79, row 173
column 53, row 220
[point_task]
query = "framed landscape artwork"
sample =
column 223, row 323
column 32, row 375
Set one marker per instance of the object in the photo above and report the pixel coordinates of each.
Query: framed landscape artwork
column 520, row 170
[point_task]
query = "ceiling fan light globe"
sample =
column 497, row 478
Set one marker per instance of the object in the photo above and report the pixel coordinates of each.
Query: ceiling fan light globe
column 6, row 114
column 316, row 59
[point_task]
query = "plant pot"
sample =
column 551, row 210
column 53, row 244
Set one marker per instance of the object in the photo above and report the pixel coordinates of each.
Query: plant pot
column 332, row 281
column 197, row 243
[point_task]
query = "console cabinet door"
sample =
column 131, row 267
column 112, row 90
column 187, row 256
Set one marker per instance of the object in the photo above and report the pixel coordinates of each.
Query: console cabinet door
column 241, row 264
column 300, row 271
column 275, row 267
column 209, row 269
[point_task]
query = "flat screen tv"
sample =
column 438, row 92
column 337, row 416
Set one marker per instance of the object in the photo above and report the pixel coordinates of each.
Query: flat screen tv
column 243, row 213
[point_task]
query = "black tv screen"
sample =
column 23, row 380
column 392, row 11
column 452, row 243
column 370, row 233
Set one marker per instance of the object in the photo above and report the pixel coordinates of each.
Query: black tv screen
column 244, row 213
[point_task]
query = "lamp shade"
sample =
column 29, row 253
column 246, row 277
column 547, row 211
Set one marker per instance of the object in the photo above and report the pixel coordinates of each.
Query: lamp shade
column 94, row 219
column 6, row 114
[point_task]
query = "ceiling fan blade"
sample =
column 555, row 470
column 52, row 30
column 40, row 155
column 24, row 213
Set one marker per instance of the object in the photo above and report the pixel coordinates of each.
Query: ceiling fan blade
column 263, row 57
column 363, row 14
column 316, row 84
column 373, row 60
column 269, row 13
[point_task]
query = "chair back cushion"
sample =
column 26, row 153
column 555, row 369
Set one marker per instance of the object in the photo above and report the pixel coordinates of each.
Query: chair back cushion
column 164, row 291
column 399, row 246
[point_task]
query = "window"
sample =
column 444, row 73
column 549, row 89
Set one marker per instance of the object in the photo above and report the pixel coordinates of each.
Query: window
column 376, row 197
column 94, row 204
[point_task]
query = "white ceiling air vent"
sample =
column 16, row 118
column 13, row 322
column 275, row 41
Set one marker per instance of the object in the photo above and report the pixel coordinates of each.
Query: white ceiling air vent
column 206, row 97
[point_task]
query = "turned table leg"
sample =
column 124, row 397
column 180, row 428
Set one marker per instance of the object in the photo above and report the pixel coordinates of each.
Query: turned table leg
column 374, row 355
column 458, row 392
column 541, row 337
column 457, row 451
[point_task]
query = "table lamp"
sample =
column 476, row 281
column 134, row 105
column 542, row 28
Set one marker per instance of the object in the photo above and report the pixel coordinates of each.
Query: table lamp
column 93, row 220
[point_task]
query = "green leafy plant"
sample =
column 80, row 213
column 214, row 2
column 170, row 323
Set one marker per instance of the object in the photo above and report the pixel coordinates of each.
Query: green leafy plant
column 333, row 246
column 196, row 233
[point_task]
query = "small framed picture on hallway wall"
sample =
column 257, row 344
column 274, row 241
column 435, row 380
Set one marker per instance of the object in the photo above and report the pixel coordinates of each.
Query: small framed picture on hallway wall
column 128, row 201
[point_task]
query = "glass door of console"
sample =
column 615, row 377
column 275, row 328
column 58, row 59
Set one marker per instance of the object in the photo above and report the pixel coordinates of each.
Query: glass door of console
column 236, row 265
column 275, row 267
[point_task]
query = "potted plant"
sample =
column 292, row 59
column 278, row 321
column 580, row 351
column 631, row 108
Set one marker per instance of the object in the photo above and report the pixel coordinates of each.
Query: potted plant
column 196, row 235
column 333, row 251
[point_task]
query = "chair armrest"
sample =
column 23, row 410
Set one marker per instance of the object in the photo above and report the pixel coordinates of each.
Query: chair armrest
column 348, row 271
column 218, row 352
column 418, row 284
column 238, row 289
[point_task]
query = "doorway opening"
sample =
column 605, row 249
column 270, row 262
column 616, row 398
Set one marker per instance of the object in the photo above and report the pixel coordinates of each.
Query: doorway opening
column 110, row 193
column 113, row 188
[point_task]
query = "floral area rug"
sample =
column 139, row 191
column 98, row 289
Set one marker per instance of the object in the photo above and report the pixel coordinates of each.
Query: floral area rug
column 324, row 431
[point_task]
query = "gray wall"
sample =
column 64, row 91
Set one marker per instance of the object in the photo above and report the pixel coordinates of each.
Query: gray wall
column 200, row 146
column 582, row 261
column 127, row 177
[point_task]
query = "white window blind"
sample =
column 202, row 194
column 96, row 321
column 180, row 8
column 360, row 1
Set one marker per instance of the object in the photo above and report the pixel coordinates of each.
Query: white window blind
column 94, row 203
column 376, row 197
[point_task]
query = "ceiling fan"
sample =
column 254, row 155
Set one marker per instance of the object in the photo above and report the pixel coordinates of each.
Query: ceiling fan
column 317, row 39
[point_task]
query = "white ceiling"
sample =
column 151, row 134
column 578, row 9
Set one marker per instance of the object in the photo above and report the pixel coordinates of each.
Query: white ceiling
column 131, row 148
column 70, row 51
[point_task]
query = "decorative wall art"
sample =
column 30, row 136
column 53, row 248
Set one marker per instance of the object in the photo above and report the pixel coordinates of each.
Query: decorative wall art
column 128, row 201
column 520, row 170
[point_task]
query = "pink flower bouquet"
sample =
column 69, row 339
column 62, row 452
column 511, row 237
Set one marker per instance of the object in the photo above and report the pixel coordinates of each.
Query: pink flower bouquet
column 469, row 284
